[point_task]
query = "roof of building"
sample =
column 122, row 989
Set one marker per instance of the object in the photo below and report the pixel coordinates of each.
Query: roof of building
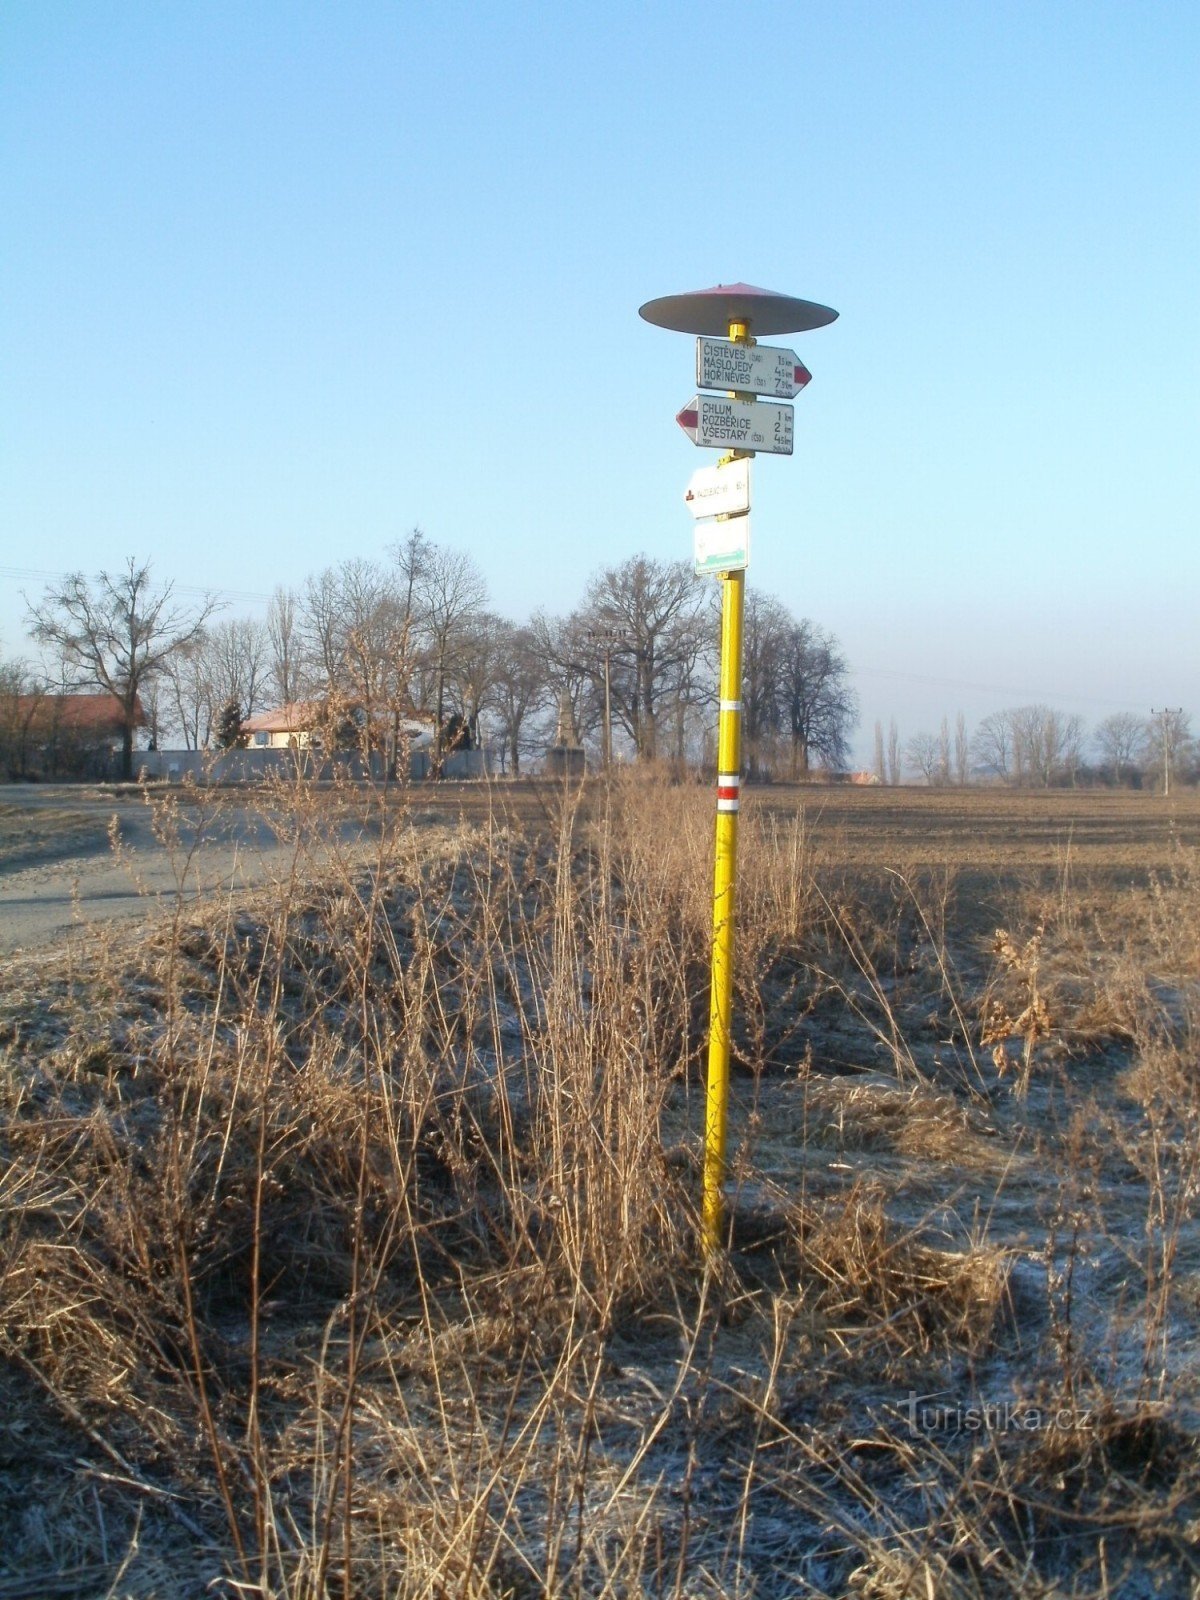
column 297, row 717
column 99, row 714
column 303, row 715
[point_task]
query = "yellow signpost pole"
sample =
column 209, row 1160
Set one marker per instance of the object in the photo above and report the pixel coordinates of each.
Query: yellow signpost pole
column 707, row 313
column 729, row 780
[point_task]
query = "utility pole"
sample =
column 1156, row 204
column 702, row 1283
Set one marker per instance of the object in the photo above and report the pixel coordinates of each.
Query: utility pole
column 609, row 639
column 1164, row 716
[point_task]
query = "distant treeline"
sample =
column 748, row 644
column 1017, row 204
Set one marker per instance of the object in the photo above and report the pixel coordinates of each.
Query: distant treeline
column 1038, row 747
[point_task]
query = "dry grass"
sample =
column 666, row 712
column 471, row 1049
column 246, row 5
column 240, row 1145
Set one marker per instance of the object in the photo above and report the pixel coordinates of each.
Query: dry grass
column 29, row 836
column 347, row 1232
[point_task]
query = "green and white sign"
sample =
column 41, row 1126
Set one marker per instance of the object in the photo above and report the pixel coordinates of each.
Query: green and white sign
column 722, row 544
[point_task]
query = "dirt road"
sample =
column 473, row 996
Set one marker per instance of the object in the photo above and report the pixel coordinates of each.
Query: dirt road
column 70, row 857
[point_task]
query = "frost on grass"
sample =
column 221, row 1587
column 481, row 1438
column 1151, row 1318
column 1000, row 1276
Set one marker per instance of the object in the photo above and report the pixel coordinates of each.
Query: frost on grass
column 348, row 1234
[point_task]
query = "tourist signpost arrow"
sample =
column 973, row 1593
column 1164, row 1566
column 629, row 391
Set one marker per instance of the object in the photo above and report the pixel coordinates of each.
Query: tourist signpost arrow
column 749, row 368
column 719, row 423
column 720, row 491
column 742, row 425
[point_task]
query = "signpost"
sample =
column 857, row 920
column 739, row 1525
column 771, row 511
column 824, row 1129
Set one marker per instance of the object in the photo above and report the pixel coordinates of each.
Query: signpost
column 748, row 426
column 735, row 424
column 723, row 490
column 749, row 368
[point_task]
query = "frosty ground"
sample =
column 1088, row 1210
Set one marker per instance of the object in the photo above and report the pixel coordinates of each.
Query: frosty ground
column 349, row 1235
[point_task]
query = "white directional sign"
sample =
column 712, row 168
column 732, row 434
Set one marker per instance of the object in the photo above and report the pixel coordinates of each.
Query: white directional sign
column 722, row 545
column 751, row 368
column 722, row 424
column 719, row 491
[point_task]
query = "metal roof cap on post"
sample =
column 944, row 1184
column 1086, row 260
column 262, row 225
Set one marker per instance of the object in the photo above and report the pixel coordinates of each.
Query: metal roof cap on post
column 712, row 310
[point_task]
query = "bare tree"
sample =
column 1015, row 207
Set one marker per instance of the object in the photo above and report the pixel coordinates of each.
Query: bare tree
column 476, row 667
column 322, row 629
column 522, row 687
column 449, row 591
column 190, row 693
column 648, row 629
column 571, row 650
column 943, row 763
column 764, row 639
column 880, row 765
column 223, row 664
column 1047, row 745
column 156, row 703
column 116, row 634
column 962, row 751
column 1121, row 741
column 411, row 555
column 923, row 753
column 374, row 668
column 820, row 706
column 24, row 704
column 658, row 607
column 359, row 652
column 993, row 744
column 1031, row 745
column 283, row 637
column 237, row 656
column 1073, row 736
column 893, row 753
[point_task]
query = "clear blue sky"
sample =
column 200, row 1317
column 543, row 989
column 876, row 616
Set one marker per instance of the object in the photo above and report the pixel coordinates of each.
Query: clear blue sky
column 282, row 280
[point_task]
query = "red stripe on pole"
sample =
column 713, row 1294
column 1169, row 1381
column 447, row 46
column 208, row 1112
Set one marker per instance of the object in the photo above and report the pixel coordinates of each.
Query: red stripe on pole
column 727, row 793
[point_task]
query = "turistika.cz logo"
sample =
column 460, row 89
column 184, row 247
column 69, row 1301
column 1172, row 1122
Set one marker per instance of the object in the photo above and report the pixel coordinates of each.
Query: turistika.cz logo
column 931, row 1413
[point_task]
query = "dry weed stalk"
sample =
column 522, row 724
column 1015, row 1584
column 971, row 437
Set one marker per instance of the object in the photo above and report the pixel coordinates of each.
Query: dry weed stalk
column 1032, row 1021
column 341, row 1241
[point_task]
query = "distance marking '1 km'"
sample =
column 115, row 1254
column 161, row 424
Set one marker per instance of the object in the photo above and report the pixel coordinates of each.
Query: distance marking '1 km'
column 750, row 368
column 720, row 424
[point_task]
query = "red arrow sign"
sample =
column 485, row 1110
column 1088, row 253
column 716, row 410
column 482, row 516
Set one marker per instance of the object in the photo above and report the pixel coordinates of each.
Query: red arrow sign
column 750, row 368
column 719, row 423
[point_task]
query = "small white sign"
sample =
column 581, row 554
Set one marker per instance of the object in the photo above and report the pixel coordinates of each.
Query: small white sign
column 722, row 424
column 722, row 544
column 750, row 368
column 720, row 490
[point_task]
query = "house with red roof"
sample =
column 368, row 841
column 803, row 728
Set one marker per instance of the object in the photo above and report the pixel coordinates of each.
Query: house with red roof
column 64, row 735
